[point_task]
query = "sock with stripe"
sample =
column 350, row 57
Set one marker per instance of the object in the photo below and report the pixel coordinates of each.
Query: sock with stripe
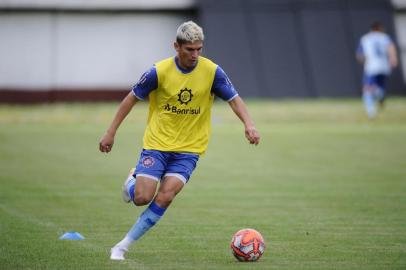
column 145, row 222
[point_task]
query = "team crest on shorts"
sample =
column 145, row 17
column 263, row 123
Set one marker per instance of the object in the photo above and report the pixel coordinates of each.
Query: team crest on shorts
column 148, row 162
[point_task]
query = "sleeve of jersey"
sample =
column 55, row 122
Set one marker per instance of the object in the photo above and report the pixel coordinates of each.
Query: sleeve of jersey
column 147, row 83
column 360, row 50
column 222, row 86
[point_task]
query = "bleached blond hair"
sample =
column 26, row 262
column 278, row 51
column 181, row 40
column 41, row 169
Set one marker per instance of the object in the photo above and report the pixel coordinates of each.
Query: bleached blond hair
column 189, row 32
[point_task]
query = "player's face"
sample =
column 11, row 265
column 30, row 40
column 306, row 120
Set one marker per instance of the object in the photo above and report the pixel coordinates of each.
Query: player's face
column 188, row 53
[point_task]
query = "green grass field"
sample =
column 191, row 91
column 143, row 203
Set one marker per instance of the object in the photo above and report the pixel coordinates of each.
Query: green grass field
column 326, row 187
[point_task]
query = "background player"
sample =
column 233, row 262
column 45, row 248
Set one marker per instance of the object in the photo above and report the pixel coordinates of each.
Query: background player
column 377, row 52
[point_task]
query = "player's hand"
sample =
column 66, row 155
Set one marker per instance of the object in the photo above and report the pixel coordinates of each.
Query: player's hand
column 252, row 135
column 106, row 143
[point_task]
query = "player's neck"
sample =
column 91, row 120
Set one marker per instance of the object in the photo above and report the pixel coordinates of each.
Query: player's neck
column 182, row 68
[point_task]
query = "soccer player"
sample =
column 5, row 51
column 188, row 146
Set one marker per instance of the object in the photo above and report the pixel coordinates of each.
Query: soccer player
column 180, row 91
column 377, row 52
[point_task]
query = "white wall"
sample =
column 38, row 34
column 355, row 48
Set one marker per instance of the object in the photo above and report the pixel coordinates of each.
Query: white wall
column 25, row 50
column 400, row 26
column 98, row 4
column 399, row 3
column 76, row 50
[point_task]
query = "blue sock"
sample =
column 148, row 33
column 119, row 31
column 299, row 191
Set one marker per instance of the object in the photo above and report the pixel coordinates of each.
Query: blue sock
column 380, row 94
column 369, row 103
column 131, row 189
column 148, row 218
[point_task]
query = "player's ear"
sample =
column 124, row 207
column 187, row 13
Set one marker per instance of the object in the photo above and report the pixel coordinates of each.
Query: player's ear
column 176, row 46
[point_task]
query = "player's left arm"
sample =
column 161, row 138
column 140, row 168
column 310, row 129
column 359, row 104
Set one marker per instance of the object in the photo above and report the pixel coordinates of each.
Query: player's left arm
column 240, row 109
column 359, row 54
column 223, row 88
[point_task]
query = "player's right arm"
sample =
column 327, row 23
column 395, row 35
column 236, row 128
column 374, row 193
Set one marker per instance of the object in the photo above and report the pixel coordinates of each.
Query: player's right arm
column 147, row 83
column 107, row 141
column 393, row 55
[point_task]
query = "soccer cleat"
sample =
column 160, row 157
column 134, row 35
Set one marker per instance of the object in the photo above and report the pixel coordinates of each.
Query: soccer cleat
column 125, row 191
column 117, row 253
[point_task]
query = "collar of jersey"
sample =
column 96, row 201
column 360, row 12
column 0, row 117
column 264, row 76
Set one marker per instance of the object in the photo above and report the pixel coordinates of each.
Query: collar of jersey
column 183, row 70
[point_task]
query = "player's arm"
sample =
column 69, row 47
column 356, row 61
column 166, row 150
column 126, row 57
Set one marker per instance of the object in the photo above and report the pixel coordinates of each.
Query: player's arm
column 359, row 55
column 147, row 83
column 393, row 55
column 107, row 141
column 240, row 109
column 223, row 88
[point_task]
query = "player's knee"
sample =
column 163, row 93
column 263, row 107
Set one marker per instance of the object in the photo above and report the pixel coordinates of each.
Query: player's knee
column 164, row 198
column 142, row 199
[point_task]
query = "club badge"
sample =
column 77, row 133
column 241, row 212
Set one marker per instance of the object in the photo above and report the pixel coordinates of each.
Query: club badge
column 148, row 162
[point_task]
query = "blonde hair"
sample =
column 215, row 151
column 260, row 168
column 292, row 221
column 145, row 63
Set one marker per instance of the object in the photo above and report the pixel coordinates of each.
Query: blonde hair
column 189, row 32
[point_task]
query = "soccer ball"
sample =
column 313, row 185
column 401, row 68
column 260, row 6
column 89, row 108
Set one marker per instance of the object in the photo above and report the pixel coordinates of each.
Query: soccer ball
column 247, row 245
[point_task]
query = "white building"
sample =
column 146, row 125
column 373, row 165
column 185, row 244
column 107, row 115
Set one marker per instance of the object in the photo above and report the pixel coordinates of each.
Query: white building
column 54, row 47
column 87, row 45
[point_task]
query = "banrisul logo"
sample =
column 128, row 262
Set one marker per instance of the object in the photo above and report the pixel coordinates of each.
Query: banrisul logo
column 185, row 96
column 177, row 110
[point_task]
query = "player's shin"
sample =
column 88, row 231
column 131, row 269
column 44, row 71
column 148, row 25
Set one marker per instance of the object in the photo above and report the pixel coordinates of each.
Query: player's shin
column 146, row 221
column 369, row 104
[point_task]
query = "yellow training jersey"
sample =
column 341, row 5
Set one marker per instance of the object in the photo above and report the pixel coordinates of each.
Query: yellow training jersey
column 180, row 108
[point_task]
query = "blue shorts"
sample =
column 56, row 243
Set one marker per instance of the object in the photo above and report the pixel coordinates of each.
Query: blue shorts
column 156, row 164
column 378, row 80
